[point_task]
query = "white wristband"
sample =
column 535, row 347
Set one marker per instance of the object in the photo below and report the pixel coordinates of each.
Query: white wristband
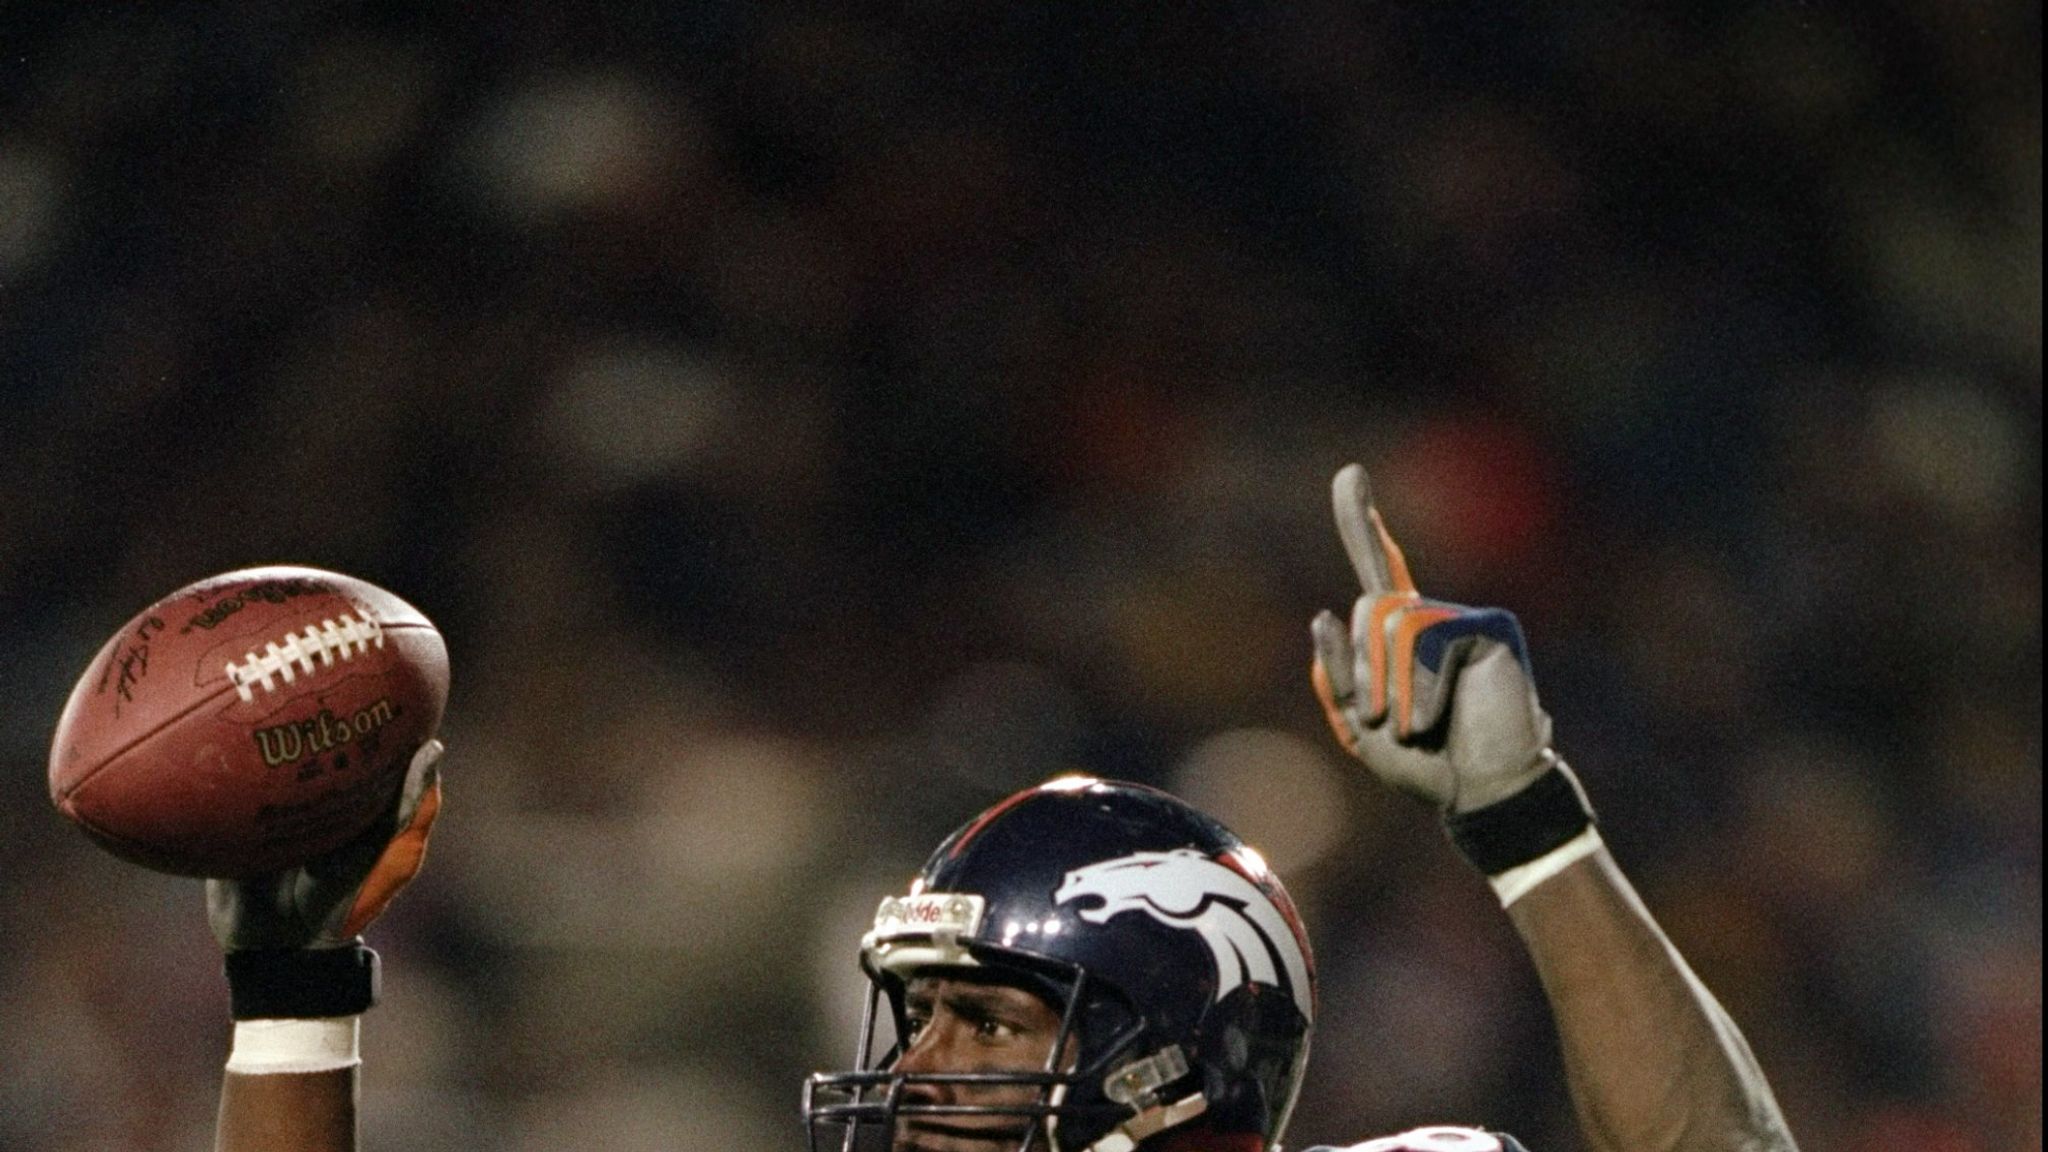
column 1520, row 880
column 267, row 1047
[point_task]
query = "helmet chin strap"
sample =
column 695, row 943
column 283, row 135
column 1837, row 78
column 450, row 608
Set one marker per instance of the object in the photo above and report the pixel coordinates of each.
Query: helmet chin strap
column 1137, row 1085
column 1149, row 1123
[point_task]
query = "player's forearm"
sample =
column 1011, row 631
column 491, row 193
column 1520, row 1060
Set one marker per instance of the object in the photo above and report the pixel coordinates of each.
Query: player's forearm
column 290, row 1086
column 286, row 1112
column 1655, row 1064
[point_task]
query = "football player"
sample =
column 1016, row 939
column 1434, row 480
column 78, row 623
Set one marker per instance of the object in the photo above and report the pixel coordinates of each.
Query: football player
column 1093, row 966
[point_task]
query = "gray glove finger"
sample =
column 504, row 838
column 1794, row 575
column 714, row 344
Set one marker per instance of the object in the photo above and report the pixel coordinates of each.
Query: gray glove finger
column 420, row 776
column 1351, row 501
column 226, row 913
column 260, row 912
column 1371, row 706
column 1333, row 651
column 1432, row 687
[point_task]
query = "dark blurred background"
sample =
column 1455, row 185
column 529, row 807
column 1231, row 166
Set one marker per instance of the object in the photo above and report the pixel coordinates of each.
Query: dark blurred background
column 810, row 422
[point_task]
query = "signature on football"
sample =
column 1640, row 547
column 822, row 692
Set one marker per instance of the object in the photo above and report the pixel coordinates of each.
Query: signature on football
column 130, row 663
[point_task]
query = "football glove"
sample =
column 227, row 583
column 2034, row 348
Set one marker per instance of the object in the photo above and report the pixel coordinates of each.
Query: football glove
column 1437, row 699
column 293, row 937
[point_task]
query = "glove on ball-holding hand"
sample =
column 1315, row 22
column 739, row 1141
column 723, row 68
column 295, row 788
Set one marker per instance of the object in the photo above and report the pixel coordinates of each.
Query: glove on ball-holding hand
column 292, row 937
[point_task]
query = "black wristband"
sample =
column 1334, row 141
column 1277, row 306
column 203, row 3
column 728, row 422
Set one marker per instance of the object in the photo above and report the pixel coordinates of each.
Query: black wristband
column 301, row 983
column 1524, row 826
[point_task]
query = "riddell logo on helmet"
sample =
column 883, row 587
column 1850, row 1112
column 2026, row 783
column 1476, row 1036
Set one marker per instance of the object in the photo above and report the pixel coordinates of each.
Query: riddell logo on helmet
column 286, row 743
column 926, row 914
column 1248, row 936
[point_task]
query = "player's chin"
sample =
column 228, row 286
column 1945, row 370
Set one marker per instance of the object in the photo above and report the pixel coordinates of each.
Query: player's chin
column 914, row 1136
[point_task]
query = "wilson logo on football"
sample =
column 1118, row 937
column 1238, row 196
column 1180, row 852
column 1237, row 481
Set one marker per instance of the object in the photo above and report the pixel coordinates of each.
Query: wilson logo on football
column 344, row 638
column 285, row 743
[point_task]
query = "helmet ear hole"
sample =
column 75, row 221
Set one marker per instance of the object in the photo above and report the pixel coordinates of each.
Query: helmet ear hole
column 1253, row 1045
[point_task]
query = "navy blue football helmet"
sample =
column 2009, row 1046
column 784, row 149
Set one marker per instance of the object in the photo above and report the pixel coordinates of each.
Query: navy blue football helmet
column 1175, row 958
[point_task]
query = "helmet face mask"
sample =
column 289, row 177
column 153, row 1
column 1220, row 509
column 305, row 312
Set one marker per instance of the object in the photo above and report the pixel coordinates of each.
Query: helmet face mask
column 1027, row 1107
column 1173, row 959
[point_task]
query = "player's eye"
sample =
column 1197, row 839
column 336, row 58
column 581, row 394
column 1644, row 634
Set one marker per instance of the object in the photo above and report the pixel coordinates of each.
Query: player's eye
column 995, row 1028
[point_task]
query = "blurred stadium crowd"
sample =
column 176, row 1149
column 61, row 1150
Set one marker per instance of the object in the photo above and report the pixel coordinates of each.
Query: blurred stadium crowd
column 809, row 422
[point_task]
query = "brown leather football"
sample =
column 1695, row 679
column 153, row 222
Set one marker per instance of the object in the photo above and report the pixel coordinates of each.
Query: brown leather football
column 248, row 722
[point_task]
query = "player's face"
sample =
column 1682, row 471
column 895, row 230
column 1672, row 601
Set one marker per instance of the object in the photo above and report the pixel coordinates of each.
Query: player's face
column 964, row 1025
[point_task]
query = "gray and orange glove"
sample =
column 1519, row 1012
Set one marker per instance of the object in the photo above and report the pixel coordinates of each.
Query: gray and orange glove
column 1438, row 701
column 293, row 937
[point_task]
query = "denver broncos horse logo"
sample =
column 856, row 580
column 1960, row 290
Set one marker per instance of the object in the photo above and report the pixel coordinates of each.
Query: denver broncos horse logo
column 1249, row 938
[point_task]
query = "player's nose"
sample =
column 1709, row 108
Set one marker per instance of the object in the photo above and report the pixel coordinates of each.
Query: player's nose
column 923, row 1056
column 931, row 1052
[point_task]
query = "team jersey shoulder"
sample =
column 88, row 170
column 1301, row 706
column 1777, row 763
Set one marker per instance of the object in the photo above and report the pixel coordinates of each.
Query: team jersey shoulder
column 1436, row 1139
